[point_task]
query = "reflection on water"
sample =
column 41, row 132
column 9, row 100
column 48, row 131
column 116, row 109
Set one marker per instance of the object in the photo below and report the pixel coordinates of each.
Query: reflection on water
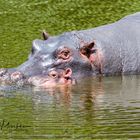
column 107, row 108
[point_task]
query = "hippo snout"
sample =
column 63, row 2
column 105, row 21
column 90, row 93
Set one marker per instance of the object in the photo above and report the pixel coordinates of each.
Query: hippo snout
column 16, row 76
column 8, row 76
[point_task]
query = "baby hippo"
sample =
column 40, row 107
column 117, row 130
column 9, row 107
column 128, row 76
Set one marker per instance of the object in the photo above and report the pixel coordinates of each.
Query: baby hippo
column 53, row 78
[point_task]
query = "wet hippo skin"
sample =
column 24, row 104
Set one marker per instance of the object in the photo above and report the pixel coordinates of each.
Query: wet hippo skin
column 112, row 49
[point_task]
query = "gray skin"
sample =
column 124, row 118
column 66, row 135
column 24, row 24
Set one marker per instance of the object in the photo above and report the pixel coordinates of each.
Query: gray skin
column 112, row 49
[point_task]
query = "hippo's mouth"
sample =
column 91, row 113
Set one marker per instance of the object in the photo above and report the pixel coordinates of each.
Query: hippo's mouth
column 9, row 77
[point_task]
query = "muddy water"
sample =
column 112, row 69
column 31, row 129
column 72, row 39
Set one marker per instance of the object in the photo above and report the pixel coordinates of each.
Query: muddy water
column 97, row 108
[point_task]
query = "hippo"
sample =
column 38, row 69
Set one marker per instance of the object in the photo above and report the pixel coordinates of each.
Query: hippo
column 112, row 49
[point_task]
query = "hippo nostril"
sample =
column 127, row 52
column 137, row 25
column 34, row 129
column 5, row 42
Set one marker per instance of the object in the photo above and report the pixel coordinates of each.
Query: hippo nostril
column 3, row 71
column 15, row 76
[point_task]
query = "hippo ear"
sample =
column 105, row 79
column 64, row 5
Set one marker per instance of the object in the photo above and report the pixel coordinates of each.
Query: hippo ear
column 67, row 73
column 45, row 35
column 90, row 45
column 87, row 49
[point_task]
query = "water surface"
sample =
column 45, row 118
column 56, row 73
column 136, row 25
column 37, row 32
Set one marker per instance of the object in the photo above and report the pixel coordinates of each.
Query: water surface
column 97, row 108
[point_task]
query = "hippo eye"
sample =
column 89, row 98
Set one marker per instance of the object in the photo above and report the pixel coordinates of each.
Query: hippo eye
column 53, row 74
column 64, row 54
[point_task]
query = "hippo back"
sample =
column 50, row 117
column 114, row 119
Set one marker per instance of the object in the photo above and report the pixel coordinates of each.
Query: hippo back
column 120, row 44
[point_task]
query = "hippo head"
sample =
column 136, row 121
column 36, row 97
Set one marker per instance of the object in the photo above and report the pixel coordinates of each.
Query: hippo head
column 63, row 59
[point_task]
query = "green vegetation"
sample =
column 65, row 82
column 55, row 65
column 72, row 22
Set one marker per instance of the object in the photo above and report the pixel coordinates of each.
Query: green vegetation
column 22, row 21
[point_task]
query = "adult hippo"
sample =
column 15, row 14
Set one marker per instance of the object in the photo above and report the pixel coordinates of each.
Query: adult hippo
column 106, row 50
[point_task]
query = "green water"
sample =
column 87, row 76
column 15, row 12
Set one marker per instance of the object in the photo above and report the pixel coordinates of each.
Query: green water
column 107, row 108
